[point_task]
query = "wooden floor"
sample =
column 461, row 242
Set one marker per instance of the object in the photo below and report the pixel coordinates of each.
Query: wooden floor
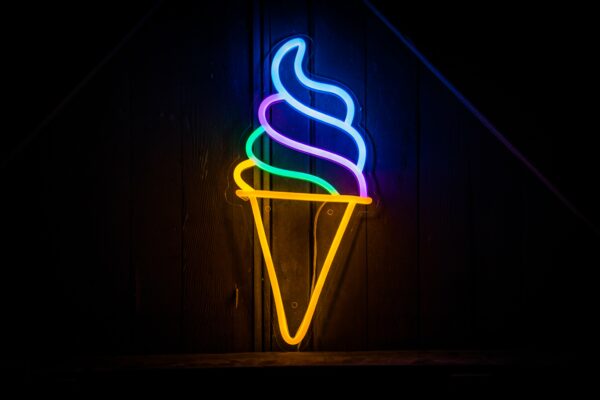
column 410, row 371
column 309, row 359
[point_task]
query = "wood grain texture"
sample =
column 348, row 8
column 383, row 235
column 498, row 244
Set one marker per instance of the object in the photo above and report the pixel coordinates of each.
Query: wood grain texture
column 421, row 372
column 392, row 105
column 291, row 221
column 445, row 272
column 495, row 237
column 87, row 278
column 111, row 277
column 123, row 233
column 262, row 88
column 217, row 231
column 28, row 289
column 315, row 359
column 257, row 89
column 156, row 186
column 342, row 311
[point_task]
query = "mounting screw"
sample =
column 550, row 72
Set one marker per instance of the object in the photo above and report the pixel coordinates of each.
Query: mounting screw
column 294, row 304
column 237, row 296
column 329, row 211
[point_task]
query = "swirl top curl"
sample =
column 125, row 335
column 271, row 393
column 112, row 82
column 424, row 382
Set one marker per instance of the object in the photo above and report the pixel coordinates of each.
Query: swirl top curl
column 345, row 125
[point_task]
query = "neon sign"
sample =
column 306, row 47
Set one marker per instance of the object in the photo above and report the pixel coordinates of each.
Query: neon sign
column 247, row 192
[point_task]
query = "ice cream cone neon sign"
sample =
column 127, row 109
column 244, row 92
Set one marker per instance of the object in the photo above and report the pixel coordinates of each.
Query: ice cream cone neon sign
column 247, row 192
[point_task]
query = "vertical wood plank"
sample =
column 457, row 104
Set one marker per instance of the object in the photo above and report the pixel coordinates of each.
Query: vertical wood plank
column 125, row 234
column 339, row 51
column 259, row 292
column 265, row 88
column 157, row 186
column 496, row 235
column 213, row 65
column 445, row 271
column 291, row 220
column 87, row 204
column 30, row 302
column 392, row 224
column 111, row 276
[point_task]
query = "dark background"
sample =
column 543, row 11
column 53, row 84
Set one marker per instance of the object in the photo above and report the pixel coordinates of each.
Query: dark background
column 112, row 245
column 529, row 69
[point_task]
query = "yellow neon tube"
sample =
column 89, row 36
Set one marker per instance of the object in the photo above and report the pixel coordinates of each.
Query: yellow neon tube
column 247, row 191
column 252, row 195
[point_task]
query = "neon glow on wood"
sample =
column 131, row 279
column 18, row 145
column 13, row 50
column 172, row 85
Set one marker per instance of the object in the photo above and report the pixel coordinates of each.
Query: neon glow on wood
column 247, row 192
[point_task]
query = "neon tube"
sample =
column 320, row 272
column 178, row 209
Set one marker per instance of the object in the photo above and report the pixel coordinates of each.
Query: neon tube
column 247, row 192
column 280, row 171
column 262, row 109
column 345, row 125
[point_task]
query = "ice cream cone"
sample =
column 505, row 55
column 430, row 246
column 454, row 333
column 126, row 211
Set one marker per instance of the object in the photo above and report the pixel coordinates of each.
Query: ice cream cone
column 347, row 125
column 248, row 193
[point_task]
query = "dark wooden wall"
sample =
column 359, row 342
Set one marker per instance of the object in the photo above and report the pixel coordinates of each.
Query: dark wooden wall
column 123, row 233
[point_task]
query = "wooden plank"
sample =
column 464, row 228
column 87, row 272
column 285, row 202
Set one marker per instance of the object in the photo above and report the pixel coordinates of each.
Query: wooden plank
column 125, row 235
column 418, row 372
column 290, row 220
column 214, row 88
column 110, row 274
column 340, row 322
column 416, row 359
column 73, row 193
column 265, row 89
column 445, row 272
column 560, row 291
column 157, row 186
column 258, row 72
column 30, row 302
column 496, row 235
column 523, row 242
column 392, row 222
column 85, row 275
